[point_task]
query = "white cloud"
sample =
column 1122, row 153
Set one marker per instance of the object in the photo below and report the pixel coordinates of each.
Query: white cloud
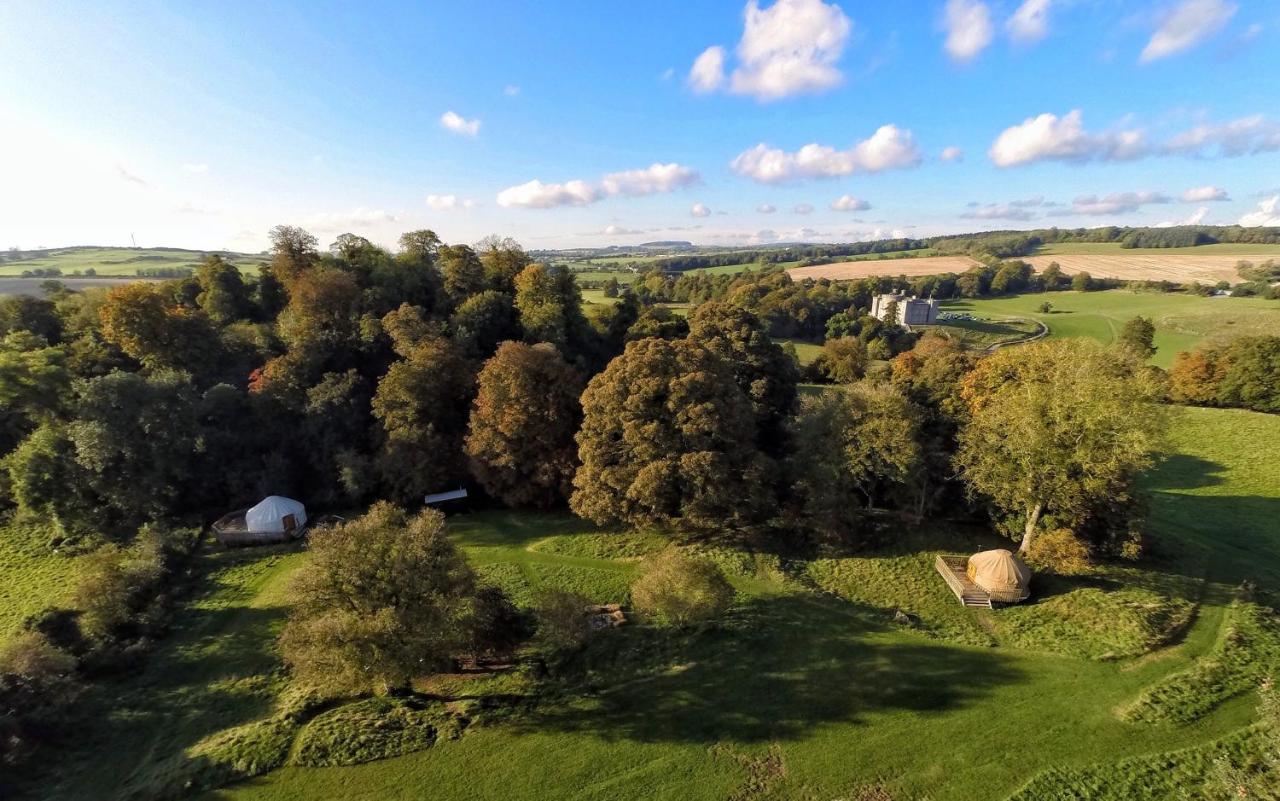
column 511, row 90
column 1241, row 137
column 1197, row 217
column 448, row 202
column 1030, row 23
column 651, row 180
column 1267, row 213
column 766, row 208
column 195, row 169
column 1052, row 138
column 130, row 177
column 890, row 147
column 951, row 153
column 618, row 230
column 707, row 72
column 1186, row 25
column 763, row 237
column 1200, row 194
column 969, row 30
column 1013, row 210
column 1115, row 203
column 699, row 210
column 792, row 47
column 452, row 121
column 342, row 222
column 537, row 195
column 849, row 203
column 803, row 208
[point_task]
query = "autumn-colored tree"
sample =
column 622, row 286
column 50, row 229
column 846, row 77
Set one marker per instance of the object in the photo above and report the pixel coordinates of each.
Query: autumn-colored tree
column 668, row 437
column 293, row 251
column 679, row 589
column 380, row 600
column 464, row 274
column 322, row 318
column 1056, row 429
column 422, row 404
column 842, row 360
column 139, row 319
column 520, row 438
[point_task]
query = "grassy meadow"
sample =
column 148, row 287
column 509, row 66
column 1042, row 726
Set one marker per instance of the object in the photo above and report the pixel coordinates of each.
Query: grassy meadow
column 809, row 689
column 1182, row 321
column 116, row 261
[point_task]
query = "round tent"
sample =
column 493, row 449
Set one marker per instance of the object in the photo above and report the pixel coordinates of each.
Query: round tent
column 275, row 514
column 1004, row 576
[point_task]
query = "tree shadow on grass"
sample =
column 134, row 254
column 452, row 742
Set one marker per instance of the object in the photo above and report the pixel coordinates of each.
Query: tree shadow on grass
column 775, row 670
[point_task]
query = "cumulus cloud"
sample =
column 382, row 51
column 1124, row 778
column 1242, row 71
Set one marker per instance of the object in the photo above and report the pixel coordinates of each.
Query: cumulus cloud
column 1267, row 213
column 849, row 203
column 1052, row 138
column 1201, row 194
column 452, row 121
column 951, row 153
column 699, row 210
column 792, row 47
column 618, row 230
column 890, row 147
column 803, row 208
column 1115, row 203
column 651, row 180
column 448, row 202
column 1030, row 23
column 537, row 195
column 969, row 30
column 1195, row 218
column 1186, row 25
column 655, row 178
column 766, row 208
column 1241, row 137
column 195, row 169
column 707, row 73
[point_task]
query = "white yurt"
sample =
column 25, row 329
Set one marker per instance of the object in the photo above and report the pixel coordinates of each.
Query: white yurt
column 273, row 519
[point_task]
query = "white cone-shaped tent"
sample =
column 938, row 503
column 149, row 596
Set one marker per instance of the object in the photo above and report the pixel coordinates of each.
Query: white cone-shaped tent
column 270, row 515
column 1004, row 576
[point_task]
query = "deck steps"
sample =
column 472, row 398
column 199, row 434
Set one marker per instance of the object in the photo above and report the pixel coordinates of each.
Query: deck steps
column 952, row 569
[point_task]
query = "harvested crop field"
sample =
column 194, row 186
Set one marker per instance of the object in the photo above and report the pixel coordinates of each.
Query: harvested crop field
column 1208, row 268
column 849, row 270
column 1180, row 268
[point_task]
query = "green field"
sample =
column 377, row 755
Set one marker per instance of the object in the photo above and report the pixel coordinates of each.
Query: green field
column 984, row 333
column 798, row 693
column 32, row 577
column 1182, row 321
column 806, row 351
column 115, row 261
column 1114, row 249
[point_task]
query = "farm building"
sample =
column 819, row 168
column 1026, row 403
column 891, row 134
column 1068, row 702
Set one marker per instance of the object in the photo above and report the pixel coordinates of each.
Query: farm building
column 911, row 310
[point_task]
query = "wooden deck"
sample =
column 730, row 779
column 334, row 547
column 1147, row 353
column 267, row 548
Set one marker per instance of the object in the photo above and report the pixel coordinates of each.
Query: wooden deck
column 952, row 569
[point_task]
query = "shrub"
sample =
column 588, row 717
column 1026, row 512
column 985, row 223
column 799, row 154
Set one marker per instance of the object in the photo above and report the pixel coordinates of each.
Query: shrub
column 678, row 589
column 562, row 619
column 36, row 690
column 1060, row 551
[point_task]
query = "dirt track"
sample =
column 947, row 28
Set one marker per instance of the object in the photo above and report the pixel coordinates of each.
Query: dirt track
column 1179, row 267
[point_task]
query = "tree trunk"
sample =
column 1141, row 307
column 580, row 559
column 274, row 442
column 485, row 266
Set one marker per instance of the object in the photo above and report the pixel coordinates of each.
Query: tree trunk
column 1033, row 518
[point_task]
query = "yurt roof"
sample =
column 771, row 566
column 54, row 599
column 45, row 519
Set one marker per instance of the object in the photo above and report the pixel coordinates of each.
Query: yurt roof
column 267, row 516
column 998, row 570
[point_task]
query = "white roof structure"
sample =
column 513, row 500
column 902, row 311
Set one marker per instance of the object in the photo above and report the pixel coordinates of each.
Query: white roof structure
column 267, row 517
column 441, row 497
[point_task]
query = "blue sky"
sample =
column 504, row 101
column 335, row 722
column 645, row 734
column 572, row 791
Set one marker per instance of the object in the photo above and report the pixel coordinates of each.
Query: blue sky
column 204, row 124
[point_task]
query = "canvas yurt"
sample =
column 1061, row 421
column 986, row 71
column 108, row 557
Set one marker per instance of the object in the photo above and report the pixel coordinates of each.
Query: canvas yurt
column 1005, row 577
column 273, row 519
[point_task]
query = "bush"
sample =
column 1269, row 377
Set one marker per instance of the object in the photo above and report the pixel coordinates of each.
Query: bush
column 677, row 589
column 375, row 728
column 562, row 619
column 36, row 691
column 1060, row 551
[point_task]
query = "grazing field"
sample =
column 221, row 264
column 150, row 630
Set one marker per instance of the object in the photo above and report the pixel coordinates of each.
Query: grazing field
column 116, row 261
column 797, row 694
column 1128, row 266
column 31, row 576
column 1182, row 321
